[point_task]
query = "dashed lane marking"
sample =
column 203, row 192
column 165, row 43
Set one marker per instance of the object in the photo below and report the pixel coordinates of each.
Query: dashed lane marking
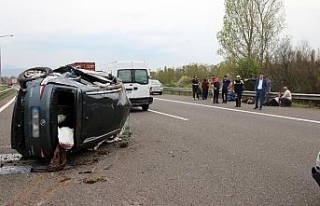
column 169, row 115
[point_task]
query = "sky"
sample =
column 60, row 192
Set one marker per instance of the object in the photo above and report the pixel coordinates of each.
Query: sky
column 161, row 32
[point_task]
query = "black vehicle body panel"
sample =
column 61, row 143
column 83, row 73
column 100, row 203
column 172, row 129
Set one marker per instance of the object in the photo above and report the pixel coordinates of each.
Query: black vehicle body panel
column 94, row 113
column 316, row 175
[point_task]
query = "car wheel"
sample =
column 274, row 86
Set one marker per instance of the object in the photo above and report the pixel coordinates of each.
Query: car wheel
column 160, row 93
column 32, row 74
column 145, row 107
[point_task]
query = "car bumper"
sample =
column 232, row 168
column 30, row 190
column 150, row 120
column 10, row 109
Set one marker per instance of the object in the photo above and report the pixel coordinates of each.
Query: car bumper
column 136, row 102
column 316, row 175
column 157, row 90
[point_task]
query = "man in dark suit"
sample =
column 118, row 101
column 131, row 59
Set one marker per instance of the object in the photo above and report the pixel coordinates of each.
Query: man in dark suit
column 261, row 87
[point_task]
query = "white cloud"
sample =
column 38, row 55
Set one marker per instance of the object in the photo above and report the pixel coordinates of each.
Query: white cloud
column 162, row 32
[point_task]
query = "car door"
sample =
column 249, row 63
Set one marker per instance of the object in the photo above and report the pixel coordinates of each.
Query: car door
column 97, row 116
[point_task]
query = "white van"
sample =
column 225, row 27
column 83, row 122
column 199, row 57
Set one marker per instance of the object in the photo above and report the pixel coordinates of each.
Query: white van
column 135, row 77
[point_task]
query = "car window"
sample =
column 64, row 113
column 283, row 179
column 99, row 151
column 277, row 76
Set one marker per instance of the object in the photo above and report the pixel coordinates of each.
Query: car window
column 141, row 76
column 155, row 82
column 133, row 76
column 125, row 76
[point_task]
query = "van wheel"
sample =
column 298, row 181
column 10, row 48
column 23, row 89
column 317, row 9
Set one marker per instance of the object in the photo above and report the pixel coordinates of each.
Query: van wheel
column 145, row 107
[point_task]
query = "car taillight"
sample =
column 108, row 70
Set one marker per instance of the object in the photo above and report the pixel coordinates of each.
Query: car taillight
column 42, row 87
column 35, row 126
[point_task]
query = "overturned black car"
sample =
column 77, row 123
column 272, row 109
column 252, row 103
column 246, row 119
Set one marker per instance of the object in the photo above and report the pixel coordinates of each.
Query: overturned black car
column 93, row 106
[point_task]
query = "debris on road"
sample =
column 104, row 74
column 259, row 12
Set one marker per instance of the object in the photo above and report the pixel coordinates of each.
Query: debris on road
column 108, row 167
column 94, row 180
column 58, row 161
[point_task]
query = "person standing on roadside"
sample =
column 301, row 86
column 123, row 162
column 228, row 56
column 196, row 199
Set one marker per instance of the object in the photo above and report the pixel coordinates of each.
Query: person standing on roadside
column 268, row 90
column 260, row 87
column 205, row 88
column 226, row 84
column 215, row 89
column 195, row 87
column 238, row 89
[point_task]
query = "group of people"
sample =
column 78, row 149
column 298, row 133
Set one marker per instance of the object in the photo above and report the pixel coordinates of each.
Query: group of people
column 262, row 89
column 216, row 85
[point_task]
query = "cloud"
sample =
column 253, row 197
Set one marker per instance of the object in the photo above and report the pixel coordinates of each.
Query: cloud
column 162, row 32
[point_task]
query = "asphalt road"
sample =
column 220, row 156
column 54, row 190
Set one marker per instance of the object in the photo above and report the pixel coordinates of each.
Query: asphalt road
column 184, row 152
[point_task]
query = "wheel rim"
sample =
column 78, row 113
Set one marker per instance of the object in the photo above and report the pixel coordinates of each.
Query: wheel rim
column 34, row 73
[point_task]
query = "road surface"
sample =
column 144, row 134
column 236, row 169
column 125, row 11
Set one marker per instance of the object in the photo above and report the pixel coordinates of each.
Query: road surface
column 183, row 152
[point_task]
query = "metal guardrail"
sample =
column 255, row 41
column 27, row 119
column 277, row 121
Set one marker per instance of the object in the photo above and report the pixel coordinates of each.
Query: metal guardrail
column 298, row 96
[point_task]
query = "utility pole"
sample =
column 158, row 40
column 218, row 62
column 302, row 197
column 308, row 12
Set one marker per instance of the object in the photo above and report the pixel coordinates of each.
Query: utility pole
column 2, row 36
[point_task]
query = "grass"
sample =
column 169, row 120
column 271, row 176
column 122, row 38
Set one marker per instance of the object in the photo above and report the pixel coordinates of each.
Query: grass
column 3, row 87
column 7, row 94
column 304, row 105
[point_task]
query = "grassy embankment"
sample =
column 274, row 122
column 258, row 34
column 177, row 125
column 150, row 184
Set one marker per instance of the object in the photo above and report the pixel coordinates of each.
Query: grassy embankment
column 5, row 92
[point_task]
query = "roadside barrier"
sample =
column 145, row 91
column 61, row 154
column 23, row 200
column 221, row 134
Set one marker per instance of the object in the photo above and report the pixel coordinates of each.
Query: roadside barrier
column 310, row 98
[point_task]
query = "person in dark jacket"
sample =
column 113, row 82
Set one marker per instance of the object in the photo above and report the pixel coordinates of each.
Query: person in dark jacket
column 195, row 87
column 261, row 87
column 226, row 84
column 205, row 88
column 238, row 88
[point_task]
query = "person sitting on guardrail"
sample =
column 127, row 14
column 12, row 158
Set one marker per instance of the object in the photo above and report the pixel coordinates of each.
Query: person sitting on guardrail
column 275, row 101
column 286, row 98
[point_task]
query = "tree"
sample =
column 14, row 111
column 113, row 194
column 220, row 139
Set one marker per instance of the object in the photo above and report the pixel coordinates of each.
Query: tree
column 282, row 65
column 250, row 28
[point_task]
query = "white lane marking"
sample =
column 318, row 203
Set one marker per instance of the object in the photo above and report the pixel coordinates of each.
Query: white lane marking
column 5, row 146
column 7, row 105
column 243, row 111
column 169, row 115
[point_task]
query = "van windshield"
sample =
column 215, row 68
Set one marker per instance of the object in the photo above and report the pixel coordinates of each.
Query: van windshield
column 139, row 76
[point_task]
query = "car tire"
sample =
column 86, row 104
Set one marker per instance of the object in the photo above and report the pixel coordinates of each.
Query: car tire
column 24, row 77
column 145, row 107
column 160, row 93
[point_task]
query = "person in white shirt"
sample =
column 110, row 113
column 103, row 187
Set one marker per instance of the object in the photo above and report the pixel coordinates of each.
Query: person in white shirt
column 286, row 98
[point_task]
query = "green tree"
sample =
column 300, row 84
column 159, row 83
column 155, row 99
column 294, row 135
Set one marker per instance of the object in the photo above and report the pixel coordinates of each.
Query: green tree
column 250, row 28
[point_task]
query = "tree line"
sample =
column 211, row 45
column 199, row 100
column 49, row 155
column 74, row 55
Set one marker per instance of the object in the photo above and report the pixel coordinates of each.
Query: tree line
column 250, row 43
column 295, row 67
